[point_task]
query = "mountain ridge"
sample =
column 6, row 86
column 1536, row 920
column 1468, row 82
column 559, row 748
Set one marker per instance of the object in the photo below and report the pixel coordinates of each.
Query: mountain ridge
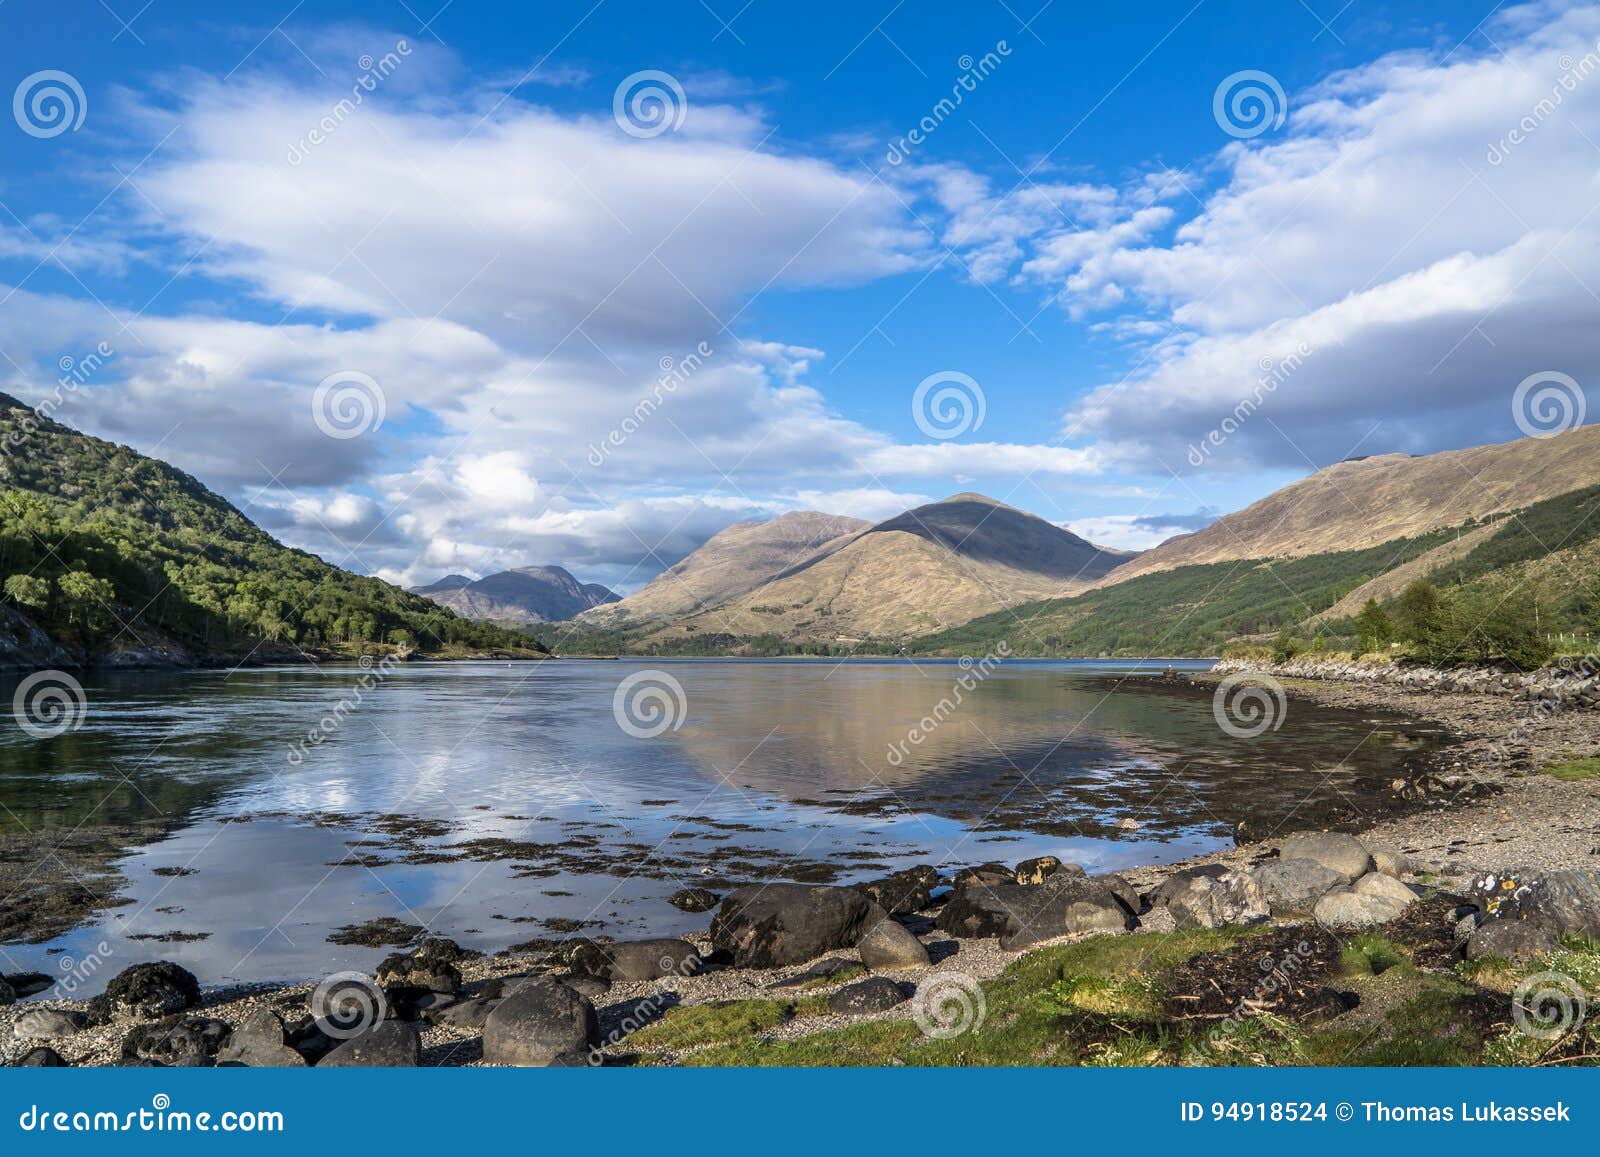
column 521, row 595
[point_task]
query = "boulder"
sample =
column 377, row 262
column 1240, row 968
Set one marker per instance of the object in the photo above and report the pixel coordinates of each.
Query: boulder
column 440, row 950
column 1344, row 854
column 629, row 960
column 591, row 988
column 1293, row 887
column 1568, row 901
column 984, row 875
column 888, row 946
column 904, row 892
column 1519, row 941
column 389, row 1044
column 26, row 984
column 150, row 991
column 1344, row 907
column 874, row 994
column 540, row 1022
column 46, row 1024
column 774, row 925
column 412, row 970
column 258, row 1043
column 1037, row 870
column 41, row 1058
column 1025, row 914
column 1212, row 896
column 467, row 1015
column 186, row 1041
column 693, row 900
column 1391, row 861
column 1387, row 887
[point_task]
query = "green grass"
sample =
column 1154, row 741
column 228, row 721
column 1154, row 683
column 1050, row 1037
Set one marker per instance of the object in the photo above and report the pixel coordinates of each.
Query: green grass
column 1372, row 954
column 1574, row 770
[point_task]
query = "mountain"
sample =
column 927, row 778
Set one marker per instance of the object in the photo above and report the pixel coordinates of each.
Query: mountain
column 932, row 567
column 108, row 556
column 525, row 594
column 728, row 564
column 1510, row 534
column 1360, row 503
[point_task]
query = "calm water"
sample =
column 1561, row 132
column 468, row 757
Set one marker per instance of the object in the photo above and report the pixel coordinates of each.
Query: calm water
column 485, row 801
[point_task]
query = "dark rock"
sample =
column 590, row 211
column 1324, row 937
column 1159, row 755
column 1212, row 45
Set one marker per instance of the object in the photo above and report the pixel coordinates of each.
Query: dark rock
column 984, row 875
column 152, row 990
column 258, row 1042
column 822, row 970
column 632, row 960
column 389, row 1044
column 591, row 988
column 41, row 1058
column 178, row 1040
column 1293, row 887
column 8, row 995
column 887, row 946
column 1568, row 901
column 26, row 984
column 875, row 994
column 1041, row 868
column 410, row 970
column 466, row 1015
column 1212, row 896
column 1519, row 941
column 693, row 900
column 773, row 925
column 441, row 950
column 1025, row 914
column 542, row 1021
column 904, row 892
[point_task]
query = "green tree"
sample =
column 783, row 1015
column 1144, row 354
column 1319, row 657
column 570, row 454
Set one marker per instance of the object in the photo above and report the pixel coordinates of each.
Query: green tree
column 29, row 590
column 88, row 598
column 1373, row 627
column 1416, row 612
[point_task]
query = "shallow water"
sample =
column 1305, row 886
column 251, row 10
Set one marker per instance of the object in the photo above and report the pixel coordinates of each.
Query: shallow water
column 481, row 800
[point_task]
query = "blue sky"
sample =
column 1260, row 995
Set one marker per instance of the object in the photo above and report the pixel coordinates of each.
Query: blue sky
column 287, row 222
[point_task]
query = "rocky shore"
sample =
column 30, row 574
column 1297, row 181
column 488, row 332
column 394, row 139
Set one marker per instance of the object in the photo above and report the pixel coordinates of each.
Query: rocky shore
column 1492, row 878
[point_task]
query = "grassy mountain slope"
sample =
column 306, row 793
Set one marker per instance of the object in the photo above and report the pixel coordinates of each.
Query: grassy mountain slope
column 120, row 557
column 1357, row 504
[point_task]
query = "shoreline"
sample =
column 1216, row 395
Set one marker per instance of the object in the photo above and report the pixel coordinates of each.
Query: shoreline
column 1513, row 816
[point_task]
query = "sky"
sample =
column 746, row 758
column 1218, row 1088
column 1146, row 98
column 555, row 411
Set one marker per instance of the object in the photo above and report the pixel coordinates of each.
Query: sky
column 448, row 289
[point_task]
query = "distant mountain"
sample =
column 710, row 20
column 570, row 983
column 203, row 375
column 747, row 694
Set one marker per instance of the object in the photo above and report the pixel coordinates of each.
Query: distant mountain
column 110, row 557
column 728, row 564
column 1363, row 502
column 932, row 567
column 527, row 594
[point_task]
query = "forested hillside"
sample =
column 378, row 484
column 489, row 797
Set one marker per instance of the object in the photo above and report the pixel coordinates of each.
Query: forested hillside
column 109, row 552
